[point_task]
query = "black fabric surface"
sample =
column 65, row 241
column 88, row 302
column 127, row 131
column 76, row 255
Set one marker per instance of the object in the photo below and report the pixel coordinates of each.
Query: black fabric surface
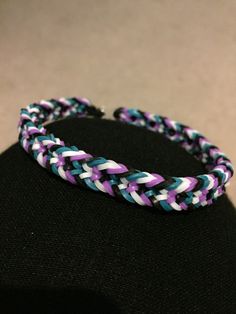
column 65, row 249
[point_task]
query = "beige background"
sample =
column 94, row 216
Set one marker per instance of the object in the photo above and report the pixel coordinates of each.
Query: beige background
column 176, row 58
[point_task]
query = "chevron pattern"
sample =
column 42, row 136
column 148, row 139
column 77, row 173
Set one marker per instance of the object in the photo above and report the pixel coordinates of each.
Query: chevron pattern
column 118, row 180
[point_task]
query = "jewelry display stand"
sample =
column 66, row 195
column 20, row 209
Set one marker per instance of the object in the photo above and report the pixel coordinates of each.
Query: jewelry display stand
column 69, row 249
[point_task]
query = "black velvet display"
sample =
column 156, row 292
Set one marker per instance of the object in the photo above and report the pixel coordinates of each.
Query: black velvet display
column 67, row 249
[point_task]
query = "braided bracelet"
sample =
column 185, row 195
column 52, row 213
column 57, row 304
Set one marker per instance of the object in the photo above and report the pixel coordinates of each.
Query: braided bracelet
column 100, row 174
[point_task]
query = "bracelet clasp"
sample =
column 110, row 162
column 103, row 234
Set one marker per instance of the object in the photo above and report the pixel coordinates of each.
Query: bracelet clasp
column 97, row 112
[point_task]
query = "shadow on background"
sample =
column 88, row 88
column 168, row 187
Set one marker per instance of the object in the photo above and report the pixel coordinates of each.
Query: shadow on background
column 44, row 301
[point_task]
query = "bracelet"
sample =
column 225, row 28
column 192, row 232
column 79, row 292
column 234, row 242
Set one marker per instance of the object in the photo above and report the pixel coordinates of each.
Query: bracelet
column 108, row 176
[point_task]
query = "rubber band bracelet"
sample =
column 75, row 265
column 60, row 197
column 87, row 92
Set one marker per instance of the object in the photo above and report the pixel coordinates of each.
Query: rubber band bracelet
column 108, row 176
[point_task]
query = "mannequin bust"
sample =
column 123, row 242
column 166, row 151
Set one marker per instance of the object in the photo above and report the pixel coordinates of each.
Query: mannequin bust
column 67, row 249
